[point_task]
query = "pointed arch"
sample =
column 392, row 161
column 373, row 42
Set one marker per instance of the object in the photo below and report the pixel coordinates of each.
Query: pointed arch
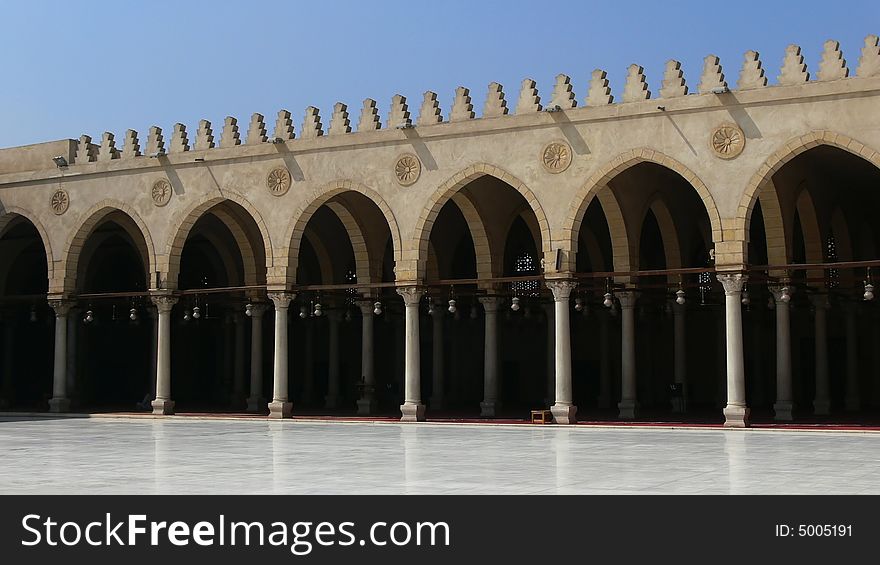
column 9, row 213
column 600, row 179
column 761, row 180
column 284, row 273
column 183, row 223
column 365, row 266
column 668, row 233
column 127, row 218
column 416, row 255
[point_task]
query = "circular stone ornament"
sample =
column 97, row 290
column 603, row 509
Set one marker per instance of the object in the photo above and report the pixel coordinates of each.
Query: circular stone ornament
column 727, row 141
column 161, row 192
column 278, row 181
column 556, row 157
column 407, row 169
column 60, row 201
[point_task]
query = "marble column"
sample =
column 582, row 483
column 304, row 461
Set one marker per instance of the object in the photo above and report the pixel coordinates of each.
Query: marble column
column 331, row 401
column 153, row 314
column 162, row 404
column 851, row 398
column 367, row 402
column 605, row 384
column 628, row 400
column 6, row 380
column 255, row 401
column 412, row 409
column 280, row 407
column 822, row 401
column 308, row 374
column 490, row 405
column 679, row 362
column 549, row 308
column 564, row 411
column 784, row 404
column 228, row 356
column 438, row 317
column 72, row 338
column 736, row 413
column 238, row 376
column 59, row 401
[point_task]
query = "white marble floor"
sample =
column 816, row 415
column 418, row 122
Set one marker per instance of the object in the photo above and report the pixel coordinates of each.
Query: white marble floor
column 251, row 456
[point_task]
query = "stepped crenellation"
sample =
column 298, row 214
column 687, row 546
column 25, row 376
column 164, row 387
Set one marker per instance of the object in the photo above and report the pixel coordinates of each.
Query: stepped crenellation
column 793, row 71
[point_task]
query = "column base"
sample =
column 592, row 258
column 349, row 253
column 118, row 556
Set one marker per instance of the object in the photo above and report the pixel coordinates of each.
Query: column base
column 852, row 404
column 280, row 409
column 366, row 406
column 59, row 405
column 564, row 414
column 736, row 416
column 488, row 409
column 782, row 411
column 821, row 407
column 255, row 405
column 626, row 409
column 162, row 407
column 331, row 402
column 412, row 412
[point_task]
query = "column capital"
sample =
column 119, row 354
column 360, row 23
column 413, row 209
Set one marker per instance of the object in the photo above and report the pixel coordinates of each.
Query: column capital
column 366, row 306
column 781, row 292
column 491, row 303
column 732, row 282
column 258, row 309
column 281, row 300
column 411, row 294
column 164, row 302
column 627, row 298
column 561, row 289
column 820, row 301
column 61, row 306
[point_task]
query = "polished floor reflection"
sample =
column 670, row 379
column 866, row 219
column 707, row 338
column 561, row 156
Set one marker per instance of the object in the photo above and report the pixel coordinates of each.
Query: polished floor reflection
column 143, row 456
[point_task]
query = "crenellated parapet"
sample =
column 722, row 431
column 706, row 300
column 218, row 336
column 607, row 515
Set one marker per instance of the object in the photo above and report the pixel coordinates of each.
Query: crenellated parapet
column 752, row 77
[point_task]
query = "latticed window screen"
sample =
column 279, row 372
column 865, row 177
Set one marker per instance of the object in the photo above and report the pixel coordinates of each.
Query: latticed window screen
column 831, row 257
column 523, row 266
column 351, row 278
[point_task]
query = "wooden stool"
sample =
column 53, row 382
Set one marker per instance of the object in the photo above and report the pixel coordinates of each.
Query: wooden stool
column 542, row 417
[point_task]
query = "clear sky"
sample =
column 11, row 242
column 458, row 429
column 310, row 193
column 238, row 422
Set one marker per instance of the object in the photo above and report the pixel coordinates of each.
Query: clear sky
column 87, row 67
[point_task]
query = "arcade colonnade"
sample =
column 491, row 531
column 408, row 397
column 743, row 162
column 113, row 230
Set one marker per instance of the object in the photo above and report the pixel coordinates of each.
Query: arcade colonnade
column 560, row 259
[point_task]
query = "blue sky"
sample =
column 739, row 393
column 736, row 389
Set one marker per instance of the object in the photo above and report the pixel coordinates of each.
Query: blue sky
column 87, row 67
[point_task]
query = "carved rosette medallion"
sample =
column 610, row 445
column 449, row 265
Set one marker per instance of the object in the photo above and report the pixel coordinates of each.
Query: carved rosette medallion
column 727, row 141
column 407, row 169
column 60, row 201
column 278, row 181
column 556, row 157
column 161, row 192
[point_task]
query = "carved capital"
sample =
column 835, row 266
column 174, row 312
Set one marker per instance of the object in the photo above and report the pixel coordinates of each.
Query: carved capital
column 781, row 290
column 281, row 300
column 411, row 294
column 258, row 309
column 366, row 307
column 490, row 303
column 561, row 289
column 627, row 299
column 61, row 306
column 732, row 282
column 164, row 302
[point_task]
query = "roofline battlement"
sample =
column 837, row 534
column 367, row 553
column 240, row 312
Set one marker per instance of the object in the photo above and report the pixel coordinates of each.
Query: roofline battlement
column 599, row 103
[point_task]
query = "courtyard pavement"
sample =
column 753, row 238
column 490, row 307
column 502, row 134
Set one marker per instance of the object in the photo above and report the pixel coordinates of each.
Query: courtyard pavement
column 195, row 456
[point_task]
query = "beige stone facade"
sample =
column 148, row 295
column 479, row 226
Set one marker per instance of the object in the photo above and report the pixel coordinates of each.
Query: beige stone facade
column 550, row 154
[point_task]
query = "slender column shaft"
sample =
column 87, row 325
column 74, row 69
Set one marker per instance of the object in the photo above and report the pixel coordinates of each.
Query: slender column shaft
column 628, row 402
column 736, row 413
column 367, row 401
column 163, row 405
column 334, row 317
column 238, row 378
column 679, row 354
column 489, row 406
column 783, row 406
column 72, row 337
column 308, row 390
column 605, row 392
column 549, row 310
column 412, row 409
column 851, row 400
column 564, row 411
column 153, row 313
column 59, row 401
column 822, row 401
column 255, row 401
column 280, row 407
column 438, row 318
